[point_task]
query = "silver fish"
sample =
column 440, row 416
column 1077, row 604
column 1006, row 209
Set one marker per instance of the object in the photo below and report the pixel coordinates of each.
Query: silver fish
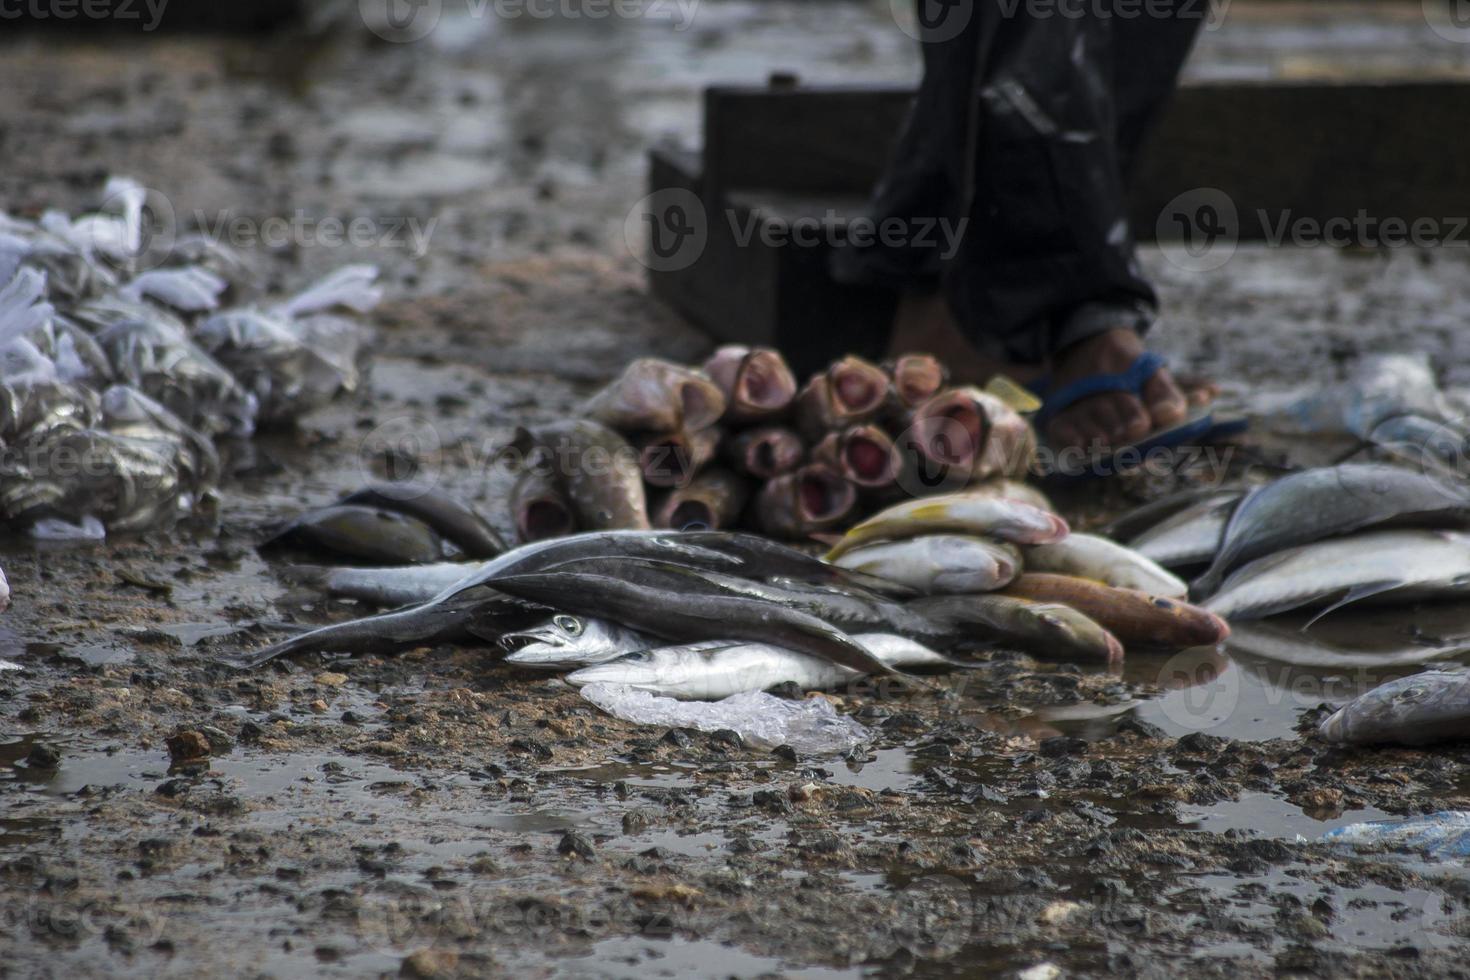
column 1433, row 706
column 1397, row 566
column 707, row 673
column 566, row 642
column 1292, row 647
column 1189, row 537
column 939, row 564
column 393, row 586
column 1326, row 502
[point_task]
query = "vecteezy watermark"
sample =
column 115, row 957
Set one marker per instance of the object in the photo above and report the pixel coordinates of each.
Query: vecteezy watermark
column 669, row 230
column 1199, row 230
column 937, row 21
column 148, row 14
column 406, row 21
column 1450, row 19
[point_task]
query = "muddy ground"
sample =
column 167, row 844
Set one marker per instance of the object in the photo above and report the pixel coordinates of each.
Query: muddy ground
column 439, row 814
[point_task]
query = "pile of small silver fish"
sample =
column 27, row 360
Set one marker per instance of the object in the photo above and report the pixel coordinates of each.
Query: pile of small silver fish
column 119, row 369
column 736, row 442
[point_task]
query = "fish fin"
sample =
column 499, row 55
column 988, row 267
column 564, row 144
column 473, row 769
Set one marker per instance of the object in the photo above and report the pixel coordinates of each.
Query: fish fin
column 1356, row 594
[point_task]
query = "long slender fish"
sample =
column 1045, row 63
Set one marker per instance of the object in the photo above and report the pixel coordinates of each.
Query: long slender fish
column 939, row 564
column 958, row 513
column 1433, row 706
column 566, row 641
column 710, row 674
column 1395, row 566
column 1046, row 629
column 1331, row 501
column 683, row 617
column 391, row 586
column 1135, row 618
column 1190, row 537
column 1089, row 556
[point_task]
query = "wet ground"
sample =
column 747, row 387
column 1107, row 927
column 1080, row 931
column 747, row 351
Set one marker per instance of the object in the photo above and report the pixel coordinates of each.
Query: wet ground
column 438, row 813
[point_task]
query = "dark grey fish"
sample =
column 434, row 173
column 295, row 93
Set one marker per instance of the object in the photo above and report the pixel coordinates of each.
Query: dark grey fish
column 761, row 557
column 1147, row 516
column 682, row 616
column 1432, row 706
column 458, row 523
column 599, row 472
column 1330, row 501
column 366, row 533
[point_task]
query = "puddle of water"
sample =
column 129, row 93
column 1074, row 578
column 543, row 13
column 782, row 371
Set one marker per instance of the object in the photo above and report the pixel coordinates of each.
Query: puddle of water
column 678, row 957
column 1270, row 816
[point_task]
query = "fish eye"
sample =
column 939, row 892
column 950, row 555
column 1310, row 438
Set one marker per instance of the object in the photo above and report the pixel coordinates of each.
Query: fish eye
column 569, row 624
column 1163, row 604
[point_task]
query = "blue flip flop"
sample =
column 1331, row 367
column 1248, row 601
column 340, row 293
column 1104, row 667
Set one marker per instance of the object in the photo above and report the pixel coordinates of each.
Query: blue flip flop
column 1198, row 429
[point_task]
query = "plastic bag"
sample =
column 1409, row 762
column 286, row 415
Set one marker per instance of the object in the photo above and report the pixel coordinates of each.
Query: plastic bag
column 1380, row 387
column 130, row 413
column 191, row 289
column 811, row 726
column 1442, row 834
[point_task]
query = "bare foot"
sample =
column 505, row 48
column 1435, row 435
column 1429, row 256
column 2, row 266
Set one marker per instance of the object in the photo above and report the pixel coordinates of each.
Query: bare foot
column 1114, row 418
column 924, row 324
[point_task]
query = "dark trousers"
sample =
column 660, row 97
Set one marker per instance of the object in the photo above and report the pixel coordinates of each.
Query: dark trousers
column 1026, row 129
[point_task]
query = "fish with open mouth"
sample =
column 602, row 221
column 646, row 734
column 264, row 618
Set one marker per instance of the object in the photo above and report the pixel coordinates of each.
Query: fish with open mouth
column 597, row 470
column 567, row 642
column 652, row 395
column 457, row 523
column 709, row 673
column 766, row 451
column 916, row 379
column 1044, row 629
column 1090, row 556
column 965, row 435
column 757, row 384
column 958, row 513
column 1431, row 706
column 814, row 498
column 849, row 392
column 1385, row 566
column 671, row 459
column 680, row 616
column 864, row 455
column 936, row 564
column 712, row 500
column 1136, row 618
column 539, row 506
column 1327, row 502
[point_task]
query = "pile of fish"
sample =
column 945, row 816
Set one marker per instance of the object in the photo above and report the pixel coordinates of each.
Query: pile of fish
column 738, row 443
column 1320, row 539
column 706, row 614
column 120, row 369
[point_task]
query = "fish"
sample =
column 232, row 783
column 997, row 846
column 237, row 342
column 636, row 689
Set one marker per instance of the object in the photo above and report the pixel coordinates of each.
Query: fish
column 1297, row 649
column 1097, row 558
column 405, row 629
column 680, row 616
column 864, row 455
column 395, row 585
column 671, row 459
column 1000, row 486
column 1151, row 514
column 757, row 383
column 814, row 498
column 960, row 513
column 766, row 451
column 652, row 395
column 1136, row 618
column 709, row 674
column 1045, row 629
column 599, row 473
column 712, row 500
column 938, row 564
column 1424, row 708
column 965, row 435
column 566, row 641
column 1327, row 502
column 850, row 391
column 452, row 520
column 538, row 504
column 368, row 533
column 1392, row 566
column 1425, row 443
column 1189, row 537
column 760, row 557
column 916, row 379
column 1443, row 834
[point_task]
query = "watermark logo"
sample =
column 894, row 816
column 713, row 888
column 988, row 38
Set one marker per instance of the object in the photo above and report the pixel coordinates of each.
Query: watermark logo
column 1199, row 230
column 1450, row 19
column 932, row 21
column 667, row 230
column 147, row 13
column 401, row 21
column 404, row 450
column 1206, row 688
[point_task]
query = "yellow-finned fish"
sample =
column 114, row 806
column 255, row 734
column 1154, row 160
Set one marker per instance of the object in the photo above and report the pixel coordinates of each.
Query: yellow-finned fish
column 957, row 513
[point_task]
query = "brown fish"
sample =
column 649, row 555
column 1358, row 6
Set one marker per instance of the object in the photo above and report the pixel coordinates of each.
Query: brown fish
column 1136, row 618
column 848, row 392
column 599, row 472
column 916, row 379
column 657, row 396
column 713, row 500
column 757, row 384
column 863, row 454
column 672, row 460
column 764, row 452
column 814, row 498
column 538, row 505
column 967, row 435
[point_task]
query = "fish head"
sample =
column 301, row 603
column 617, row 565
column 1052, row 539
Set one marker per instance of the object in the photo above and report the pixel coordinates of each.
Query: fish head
column 1334, row 726
column 633, row 669
column 566, row 640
